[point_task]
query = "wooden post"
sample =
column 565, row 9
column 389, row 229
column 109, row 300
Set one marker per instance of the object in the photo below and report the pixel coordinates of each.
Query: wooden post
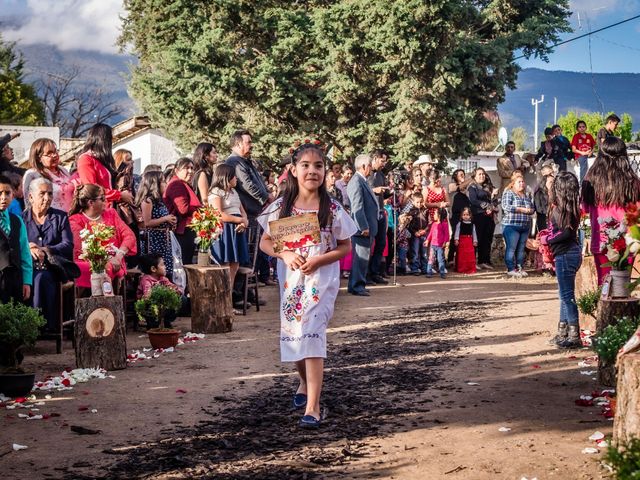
column 626, row 424
column 211, row 308
column 100, row 333
column 586, row 280
column 609, row 312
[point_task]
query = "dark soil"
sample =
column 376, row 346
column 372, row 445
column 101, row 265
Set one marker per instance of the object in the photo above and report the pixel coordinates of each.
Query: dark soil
column 375, row 374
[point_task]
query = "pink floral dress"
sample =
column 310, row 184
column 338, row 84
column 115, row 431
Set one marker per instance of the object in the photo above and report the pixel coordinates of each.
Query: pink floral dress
column 307, row 301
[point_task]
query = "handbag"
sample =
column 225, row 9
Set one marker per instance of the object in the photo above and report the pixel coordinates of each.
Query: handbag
column 62, row 268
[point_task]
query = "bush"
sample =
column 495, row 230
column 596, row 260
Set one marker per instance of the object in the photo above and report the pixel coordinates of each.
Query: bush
column 613, row 338
column 588, row 303
column 19, row 326
column 625, row 460
column 160, row 300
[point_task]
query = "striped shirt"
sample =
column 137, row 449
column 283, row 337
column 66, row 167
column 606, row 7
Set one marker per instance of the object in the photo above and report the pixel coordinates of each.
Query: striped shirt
column 510, row 202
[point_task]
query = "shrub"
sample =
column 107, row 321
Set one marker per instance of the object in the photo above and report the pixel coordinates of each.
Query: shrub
column 588, row 303
column 625, row 460
column 613, row 337
column 160, row 300
column 19, row 326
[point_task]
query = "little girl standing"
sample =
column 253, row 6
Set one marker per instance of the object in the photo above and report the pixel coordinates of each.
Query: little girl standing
column 563, row 220
column 309, row 276
column 231, row 247
column 466, row 241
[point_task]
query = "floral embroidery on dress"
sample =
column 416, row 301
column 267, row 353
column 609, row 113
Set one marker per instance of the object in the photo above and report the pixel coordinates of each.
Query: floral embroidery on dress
column 298, row 300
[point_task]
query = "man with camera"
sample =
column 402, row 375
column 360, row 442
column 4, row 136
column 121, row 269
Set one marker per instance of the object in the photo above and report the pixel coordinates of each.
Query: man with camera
column 378, row 183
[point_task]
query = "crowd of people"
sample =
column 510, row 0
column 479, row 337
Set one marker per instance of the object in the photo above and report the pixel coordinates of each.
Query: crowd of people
column 376, row 220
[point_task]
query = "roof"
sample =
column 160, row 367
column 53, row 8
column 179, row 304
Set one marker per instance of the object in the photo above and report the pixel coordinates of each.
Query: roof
column 129, row 127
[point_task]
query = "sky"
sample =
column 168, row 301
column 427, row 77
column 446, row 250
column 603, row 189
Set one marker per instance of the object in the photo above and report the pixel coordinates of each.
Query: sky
column 95, row 24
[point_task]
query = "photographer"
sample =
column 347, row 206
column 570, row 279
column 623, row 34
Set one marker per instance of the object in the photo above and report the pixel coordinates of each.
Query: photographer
column 378, row 183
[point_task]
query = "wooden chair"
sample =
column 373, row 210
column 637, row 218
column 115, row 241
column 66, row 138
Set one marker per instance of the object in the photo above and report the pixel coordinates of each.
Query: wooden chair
column 250, row 274
column 64, row 291
column 130, row 289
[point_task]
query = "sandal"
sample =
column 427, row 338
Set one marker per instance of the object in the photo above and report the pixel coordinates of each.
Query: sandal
column 309, row 422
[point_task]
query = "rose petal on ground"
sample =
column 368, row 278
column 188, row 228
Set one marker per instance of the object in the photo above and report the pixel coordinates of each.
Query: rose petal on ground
column 535, row 366
column 504, row 429
column 35, row 417
column 602, row 444
column 17, row 446
column 590, row 450
column 94, row 410
column 180, row 390
column 473, row 384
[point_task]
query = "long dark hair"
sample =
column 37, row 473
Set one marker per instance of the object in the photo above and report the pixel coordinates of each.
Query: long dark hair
column 201, row 162
column 150, row 188
column 564, row 202
column 99, row 142
column 611, row 180
column 291, row 190
column 222, row 176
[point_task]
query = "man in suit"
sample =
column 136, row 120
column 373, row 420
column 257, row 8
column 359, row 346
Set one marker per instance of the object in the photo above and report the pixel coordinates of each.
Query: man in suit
column 364, row 210
column 507, row 164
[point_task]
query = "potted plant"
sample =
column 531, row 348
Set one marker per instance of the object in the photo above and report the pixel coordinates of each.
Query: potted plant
column 620, row 255
column 97, row 249
column 154, row 309
column 207, row 224
column 608, row 343
column 19, row 327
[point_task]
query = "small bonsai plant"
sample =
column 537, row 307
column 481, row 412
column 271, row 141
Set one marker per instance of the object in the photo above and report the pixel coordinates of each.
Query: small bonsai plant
column 588, row 302
column 19, row 327
column 160, row 301
column 607, row 343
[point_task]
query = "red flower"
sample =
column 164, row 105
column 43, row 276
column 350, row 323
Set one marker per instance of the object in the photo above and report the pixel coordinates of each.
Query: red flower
column 620, row 245
column 66, row 382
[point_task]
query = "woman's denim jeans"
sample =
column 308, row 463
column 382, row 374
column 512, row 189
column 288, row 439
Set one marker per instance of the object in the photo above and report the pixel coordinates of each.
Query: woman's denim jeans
column 567, row 266
column 516, row 239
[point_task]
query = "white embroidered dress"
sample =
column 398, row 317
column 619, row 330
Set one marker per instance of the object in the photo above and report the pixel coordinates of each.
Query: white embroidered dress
column 307, row 301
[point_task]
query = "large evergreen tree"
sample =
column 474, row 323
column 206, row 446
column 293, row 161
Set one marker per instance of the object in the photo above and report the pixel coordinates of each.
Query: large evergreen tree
column 414, row 76
column 19, row 104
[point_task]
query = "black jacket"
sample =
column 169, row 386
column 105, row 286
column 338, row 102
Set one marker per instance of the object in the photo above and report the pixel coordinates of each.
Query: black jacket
column 251, row 187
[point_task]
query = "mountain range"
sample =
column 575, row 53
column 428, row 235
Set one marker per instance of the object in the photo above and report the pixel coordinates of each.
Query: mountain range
column 578, row 91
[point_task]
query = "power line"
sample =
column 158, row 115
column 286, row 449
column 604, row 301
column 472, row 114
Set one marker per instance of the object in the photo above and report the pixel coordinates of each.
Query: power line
column 587, row 34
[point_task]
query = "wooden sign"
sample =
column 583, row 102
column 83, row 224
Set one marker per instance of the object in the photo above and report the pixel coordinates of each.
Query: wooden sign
column 100, row 333
column 295, row 232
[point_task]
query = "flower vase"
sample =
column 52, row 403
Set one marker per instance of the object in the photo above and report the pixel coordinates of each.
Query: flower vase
column 620, row 280
column 96, row 284
column 203, row 259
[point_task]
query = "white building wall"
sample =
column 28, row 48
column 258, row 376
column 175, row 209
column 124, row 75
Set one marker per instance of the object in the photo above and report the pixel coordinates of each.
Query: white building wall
column 149, row 146
column 28, row 135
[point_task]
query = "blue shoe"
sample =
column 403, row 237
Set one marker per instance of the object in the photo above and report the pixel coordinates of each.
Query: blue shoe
column 442, row 275
column 299, row 400
column 309, row 422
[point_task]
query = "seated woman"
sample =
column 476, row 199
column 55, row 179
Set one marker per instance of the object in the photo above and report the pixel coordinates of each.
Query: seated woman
column 89, row 207
column 49, row 236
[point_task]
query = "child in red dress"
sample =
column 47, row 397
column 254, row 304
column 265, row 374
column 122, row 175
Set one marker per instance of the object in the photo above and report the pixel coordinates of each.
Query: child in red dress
column 466, row 241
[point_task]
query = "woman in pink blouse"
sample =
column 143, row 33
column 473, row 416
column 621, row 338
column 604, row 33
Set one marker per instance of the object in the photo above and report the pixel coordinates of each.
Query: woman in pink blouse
column 89, row 207
column 609, row 186
column 45, row 163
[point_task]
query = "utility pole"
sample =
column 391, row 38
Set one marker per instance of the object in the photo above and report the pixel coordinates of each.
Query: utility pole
column 535, row 103
column 555, row 110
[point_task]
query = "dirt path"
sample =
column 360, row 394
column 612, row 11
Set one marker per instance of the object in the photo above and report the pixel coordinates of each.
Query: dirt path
column 398, row 399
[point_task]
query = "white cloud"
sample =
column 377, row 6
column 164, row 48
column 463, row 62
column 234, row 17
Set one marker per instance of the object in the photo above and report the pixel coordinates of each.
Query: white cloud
column 71, row 24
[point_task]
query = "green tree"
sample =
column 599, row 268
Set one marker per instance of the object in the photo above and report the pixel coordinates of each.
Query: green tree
column 519, row 136
column 595, row 121
column 19, row 104
column 409, row 75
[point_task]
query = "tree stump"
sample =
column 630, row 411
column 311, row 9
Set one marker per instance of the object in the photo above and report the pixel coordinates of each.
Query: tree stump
column 627, row 420
column 100, row 333
column 211, row 308
column 609, row 312
column 586, row 280
column 611, row 309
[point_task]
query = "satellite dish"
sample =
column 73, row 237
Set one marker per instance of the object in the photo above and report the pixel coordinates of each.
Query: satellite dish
column 503, row 136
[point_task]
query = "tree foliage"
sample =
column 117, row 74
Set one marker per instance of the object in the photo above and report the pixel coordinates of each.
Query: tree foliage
column 19, row 104
column 595, row 121
column 519, row 136
column 408, row 75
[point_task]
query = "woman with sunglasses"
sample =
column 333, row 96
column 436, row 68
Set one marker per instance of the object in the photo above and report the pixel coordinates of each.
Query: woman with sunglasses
column 45, row 163
column 89, row 207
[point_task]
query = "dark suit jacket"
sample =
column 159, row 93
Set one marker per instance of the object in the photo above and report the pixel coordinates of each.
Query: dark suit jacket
column 54, row 233
column 251, row 187
column 364, row 205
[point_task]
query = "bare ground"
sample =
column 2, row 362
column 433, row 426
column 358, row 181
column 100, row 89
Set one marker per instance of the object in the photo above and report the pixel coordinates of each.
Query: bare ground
column 397, row 397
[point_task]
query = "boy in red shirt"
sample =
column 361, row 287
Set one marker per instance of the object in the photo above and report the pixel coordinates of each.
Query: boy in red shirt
column 582, row 145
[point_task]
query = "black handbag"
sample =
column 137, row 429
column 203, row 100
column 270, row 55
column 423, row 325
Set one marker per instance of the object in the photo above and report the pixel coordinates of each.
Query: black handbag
column 62, row 268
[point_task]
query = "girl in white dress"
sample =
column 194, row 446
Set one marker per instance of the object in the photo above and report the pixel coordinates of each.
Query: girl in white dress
column 309, row 276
